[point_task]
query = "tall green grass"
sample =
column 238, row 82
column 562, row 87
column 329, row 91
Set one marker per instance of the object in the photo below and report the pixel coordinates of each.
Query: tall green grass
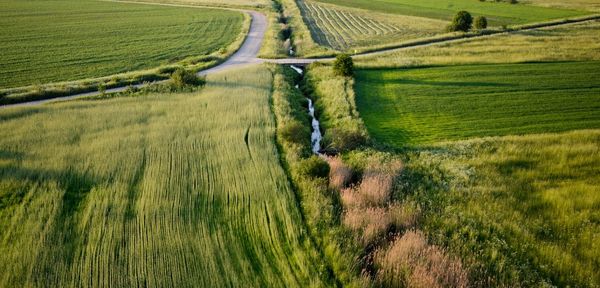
column 498, row 13
column 425, row 105
column 173, row 190
column 520, row 210
column 53, row 41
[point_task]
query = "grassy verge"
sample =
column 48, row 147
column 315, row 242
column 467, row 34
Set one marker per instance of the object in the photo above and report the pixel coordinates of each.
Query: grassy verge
column 181, row 189
column 416, row 106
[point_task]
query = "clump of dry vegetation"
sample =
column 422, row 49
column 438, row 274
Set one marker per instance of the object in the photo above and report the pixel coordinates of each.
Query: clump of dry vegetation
column 411, row 262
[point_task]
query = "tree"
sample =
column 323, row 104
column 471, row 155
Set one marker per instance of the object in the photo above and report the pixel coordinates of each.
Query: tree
column 461, row 22
column 480, row 22
column 343, row 65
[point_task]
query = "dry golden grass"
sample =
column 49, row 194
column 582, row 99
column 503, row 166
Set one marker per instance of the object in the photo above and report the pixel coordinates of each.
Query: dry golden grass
column 374, row 222
column 579, row 42
column 411, row 262
column 340, row 174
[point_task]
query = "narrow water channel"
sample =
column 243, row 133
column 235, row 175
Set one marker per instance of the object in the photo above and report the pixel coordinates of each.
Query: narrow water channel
column 316, row 136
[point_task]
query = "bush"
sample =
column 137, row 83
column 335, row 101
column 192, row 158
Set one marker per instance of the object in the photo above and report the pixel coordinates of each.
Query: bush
column 343, row 65
column 182, row 78
column 295, row 132
column 461, row 22
column 480, row 22
column 341, row 139
column 314, row 167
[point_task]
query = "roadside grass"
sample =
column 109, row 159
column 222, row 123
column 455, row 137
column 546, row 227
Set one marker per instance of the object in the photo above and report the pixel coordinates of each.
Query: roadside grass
column 573, row 42
column 519, row 210
column 498, row 13
column 345, row 29
column 55, row 41
column 180, row 190
column 407, row 107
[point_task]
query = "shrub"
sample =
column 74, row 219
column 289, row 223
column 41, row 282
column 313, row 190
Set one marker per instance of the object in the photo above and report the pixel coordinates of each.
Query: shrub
column 182, row 78
column 480, row 22
column 342, row 139
column 314, row 166
column 295, row 132
column 462, row 22
column 343, row 65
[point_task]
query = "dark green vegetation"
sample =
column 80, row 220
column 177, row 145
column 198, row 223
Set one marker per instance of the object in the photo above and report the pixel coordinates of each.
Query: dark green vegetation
column 520, row 210
column 165, row 190
column 50, row 41
column 343, row 65
column 462, row 21
column 425, row 105
column 497, row 12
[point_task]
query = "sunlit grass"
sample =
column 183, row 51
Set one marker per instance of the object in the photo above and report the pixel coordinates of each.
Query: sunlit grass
column 426, row 105
column 521, row 210
column 177, row 190
column 575, row 42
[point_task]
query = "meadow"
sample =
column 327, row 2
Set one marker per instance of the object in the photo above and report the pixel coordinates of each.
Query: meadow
column 574, row 42
column 521, row 211
column 498, row 13
column 161, row 190
column 343, row 28
column 53, row 41
column 415, row 106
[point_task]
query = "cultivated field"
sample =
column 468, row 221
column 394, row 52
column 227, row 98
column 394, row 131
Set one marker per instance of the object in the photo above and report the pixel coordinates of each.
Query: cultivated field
column 177, row 190
column 498, row 13
column 426, row 105
column 575, row 42
column 343, row 28
column 520, row 210
column 51, row 41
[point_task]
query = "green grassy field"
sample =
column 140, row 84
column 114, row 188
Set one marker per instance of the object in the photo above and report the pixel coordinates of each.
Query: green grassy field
column 425, row 105
column 343, row 28
column 175, row 190
column 51, row 41
column 497, row 12
column 521, row 211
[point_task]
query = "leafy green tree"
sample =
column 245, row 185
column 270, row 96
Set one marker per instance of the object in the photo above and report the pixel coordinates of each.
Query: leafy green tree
column 343, row 65
column 462, row 22
column 480, row 22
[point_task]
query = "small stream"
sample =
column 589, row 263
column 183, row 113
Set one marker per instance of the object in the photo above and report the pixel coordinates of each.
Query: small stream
column 316, row 136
